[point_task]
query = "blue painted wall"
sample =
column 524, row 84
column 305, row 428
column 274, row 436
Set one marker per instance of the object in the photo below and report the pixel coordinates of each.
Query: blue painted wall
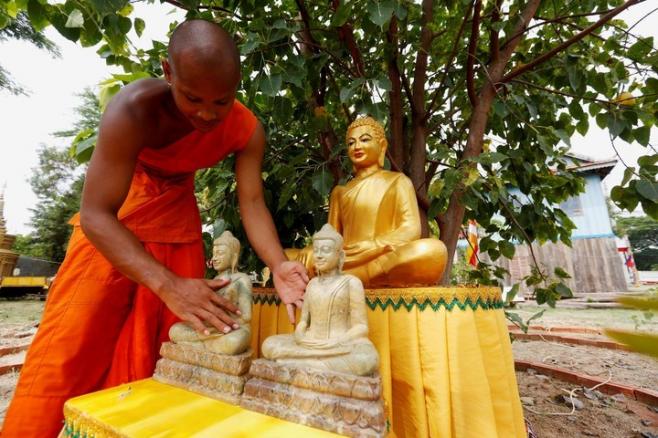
column 587, row 210
column 592, row 219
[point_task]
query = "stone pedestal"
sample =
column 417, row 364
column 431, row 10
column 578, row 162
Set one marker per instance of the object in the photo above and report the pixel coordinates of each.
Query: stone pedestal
column 342, row 403
column 215, row 375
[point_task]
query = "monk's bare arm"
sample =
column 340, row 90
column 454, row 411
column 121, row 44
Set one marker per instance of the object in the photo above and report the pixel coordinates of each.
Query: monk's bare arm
column 121, row 137
column 290, row 278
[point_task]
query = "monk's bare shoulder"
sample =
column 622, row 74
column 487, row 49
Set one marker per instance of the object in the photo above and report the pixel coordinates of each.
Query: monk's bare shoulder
column 137, row 110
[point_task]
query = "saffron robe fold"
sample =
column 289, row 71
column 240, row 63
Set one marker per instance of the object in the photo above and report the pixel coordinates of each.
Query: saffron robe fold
column 100, row 329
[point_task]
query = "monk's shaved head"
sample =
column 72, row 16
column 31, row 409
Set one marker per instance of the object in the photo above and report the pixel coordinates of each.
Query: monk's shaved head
column 200, row 45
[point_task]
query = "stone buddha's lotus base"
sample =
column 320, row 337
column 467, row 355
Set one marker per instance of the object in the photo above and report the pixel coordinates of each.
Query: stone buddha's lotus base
column 346, row 404
column 215, row 375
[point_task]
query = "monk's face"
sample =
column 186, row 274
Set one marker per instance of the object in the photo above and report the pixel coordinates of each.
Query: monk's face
column 363, row 147
column 204, row 97
column 221, row 257
column 326, row 254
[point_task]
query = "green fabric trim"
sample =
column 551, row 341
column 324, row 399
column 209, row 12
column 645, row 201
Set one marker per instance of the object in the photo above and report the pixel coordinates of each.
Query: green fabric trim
column 373, row 304
column 266, row 299
column 479, row 303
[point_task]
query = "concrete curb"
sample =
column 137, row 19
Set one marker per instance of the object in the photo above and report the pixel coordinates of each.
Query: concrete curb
column 600, row 343
column 6, row 369
column 4, row 351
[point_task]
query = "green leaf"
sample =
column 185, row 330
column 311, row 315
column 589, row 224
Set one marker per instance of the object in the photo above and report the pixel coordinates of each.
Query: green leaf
column 139, row 26
column 12, row 9
column 342, row 14
column 648, row 189
column 75, row 19
column 642, row 303
column 645, row 343
column 346, row 93
column 563, row 290
column 507, row 249
column 106, row 94
column 37, row 14
column 640, row 49
column 628, row 174
column 271, row 84
column 380, row 12
column 642, row 135
column 561, row 273
column 4, row 20
column 104, row 7
column 615, row 124
column 322, row 182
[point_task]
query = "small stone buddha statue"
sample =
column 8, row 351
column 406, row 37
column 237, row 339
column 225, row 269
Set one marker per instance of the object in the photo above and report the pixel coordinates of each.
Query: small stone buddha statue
column 332, row 333
column 377, row 214
column 226, row 250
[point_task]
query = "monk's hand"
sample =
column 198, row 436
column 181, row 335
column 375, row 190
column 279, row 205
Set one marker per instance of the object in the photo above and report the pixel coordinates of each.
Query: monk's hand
column 365, row 246
column 195, row 301
column 290, row 279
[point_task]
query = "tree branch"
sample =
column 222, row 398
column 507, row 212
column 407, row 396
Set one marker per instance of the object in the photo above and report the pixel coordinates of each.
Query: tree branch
column 451, row 58
column 472, row 48
column 346, row 34
column 395, row 95
column 574, row 39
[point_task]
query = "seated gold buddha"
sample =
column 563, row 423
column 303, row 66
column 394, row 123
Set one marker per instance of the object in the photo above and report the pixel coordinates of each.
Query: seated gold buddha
column 226, row 250
column 332, row 333
column 377, row 214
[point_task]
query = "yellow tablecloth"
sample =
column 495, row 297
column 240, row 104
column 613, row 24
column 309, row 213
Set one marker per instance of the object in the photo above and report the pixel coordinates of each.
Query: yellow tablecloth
column 149, row 409
column 445, row 359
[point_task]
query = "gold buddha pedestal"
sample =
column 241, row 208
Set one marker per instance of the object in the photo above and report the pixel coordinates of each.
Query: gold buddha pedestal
column 216, row 364
column 445, row 359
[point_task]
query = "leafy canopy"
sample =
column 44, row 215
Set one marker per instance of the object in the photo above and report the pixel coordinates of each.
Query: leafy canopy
column 478, row 96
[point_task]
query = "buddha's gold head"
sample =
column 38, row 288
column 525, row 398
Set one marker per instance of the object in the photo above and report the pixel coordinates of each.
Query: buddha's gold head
column 226, row 250
column 328, row 251
column 366, row 142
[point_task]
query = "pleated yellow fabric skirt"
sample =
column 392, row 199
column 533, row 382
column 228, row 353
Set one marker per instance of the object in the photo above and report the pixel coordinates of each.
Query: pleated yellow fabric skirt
column 446, row 359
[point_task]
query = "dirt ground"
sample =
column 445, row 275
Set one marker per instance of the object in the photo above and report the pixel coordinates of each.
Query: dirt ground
column 600, row 415
column 544, row 400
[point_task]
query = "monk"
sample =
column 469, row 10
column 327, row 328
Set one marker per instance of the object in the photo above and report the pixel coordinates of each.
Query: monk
column 135, row 261
column 377, row 214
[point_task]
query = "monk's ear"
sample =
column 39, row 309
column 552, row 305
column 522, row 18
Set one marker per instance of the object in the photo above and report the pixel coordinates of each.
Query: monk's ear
column 234, row 263
column 341, row 260
column 166, row 68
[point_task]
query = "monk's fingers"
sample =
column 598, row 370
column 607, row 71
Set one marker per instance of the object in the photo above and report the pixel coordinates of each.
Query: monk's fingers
column 225, row 304
column 217, row 283
column 196, row 324
column 299, row 303
column 224, row 316
column 301, row 271
column 291, row 312
column 216, row 321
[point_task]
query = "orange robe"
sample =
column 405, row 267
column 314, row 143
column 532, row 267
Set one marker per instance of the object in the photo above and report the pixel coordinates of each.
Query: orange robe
column 100, row 329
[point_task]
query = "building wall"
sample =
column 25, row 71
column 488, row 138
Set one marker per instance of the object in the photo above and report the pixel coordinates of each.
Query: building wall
column 589, row 211
column 593, row 264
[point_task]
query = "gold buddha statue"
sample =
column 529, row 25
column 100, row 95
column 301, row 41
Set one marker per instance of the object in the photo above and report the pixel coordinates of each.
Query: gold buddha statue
column 377, row 214
column 332, row 333
column 226, row 250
